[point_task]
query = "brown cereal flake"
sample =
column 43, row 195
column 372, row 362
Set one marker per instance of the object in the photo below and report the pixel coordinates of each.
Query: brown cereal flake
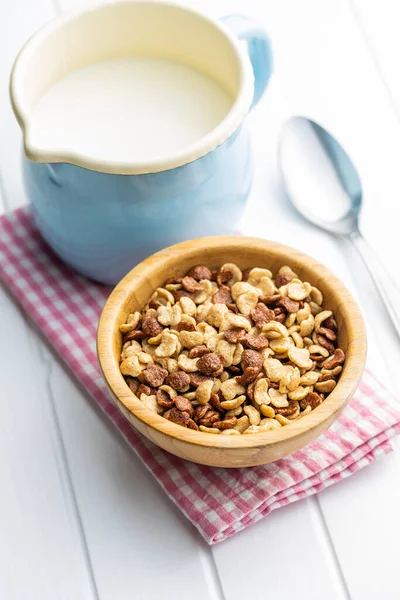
column 224, row 276
column 154, row 304
column 325, row 377
column 209, row 418
column 143, row 389
column 291, row 306
column 280, row 315
column 283, row 279
column 197, row 378
column 186, row 326
column 210, row 364
column 251, row 358
column 184, row 405
column 136, row 334
column 227, row 423
column 312, row 399
column 191, row 285
column 330, row 323
column 154, row 375
column 178, row 294
column 198, row 351
column 248, row 376
column 255, row 342
column 280, row 318
column 179, row 417
column 132, row 383
column 200, row 411
column 215, row 402
column 199, row 272
column 234, row 335
column 151, row 326
column 261, row 314
column 322, row 341
column 334, row 361
column 223, row 296
column 287, row 410
column 270, row 300
column 328, row 333
column 317, row 358
column 178, row 380
column 233, row 308
column 163, row 399
column 252, row 385
column 172, row 281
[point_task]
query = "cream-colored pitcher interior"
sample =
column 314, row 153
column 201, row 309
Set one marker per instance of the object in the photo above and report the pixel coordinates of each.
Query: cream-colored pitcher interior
column 126, row 29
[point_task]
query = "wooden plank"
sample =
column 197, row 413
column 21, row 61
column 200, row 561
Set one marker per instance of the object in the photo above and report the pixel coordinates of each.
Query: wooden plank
column 379, row 156
column 38, row 522
column 137, row 539
column 42, row 551
column 379, row 24
column 275, row 556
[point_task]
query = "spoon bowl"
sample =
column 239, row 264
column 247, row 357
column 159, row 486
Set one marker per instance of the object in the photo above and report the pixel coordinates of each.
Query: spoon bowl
column 319, row 176
column 324, row 186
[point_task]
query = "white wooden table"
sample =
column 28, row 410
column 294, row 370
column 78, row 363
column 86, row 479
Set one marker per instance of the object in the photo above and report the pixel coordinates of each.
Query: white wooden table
column 80, row 517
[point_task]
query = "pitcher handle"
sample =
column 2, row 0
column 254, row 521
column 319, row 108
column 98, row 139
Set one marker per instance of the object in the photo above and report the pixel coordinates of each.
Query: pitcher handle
column 258, row 48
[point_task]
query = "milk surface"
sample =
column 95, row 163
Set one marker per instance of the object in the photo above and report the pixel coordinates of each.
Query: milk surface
column 129, row 109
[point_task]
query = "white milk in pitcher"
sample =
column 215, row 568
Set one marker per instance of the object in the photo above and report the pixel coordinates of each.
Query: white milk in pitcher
column 129, row 109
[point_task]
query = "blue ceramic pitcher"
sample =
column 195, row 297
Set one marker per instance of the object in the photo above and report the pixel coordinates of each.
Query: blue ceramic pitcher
column 103, row 215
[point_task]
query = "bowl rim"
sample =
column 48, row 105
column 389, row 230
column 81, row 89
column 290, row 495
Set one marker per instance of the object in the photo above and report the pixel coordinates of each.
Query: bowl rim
column 338, row 398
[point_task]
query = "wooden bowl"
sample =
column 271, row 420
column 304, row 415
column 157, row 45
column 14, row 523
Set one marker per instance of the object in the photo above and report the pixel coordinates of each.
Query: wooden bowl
column 133, row 292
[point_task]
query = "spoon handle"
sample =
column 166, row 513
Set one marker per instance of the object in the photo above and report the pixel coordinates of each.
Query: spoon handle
column 386, row 287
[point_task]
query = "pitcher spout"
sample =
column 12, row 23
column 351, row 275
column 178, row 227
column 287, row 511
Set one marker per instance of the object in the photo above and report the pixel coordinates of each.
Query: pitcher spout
column 33, row 72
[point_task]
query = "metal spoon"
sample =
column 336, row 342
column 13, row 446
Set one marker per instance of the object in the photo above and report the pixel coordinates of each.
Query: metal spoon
column 325, row 188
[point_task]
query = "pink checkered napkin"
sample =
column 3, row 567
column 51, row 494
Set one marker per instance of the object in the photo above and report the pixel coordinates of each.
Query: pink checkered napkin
column 219, row 502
